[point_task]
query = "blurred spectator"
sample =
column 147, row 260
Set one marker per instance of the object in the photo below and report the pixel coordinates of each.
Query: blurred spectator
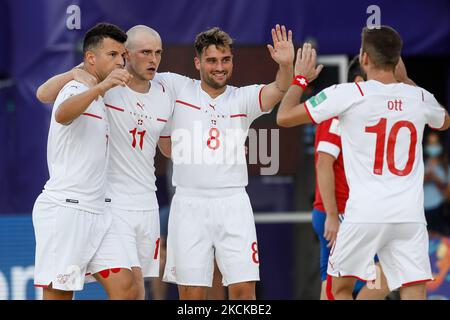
column 435, row 184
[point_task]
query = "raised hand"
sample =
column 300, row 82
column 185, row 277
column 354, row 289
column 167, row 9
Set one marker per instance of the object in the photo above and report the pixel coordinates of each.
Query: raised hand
column 306, row 62
column 282, row 51
column 118, row 77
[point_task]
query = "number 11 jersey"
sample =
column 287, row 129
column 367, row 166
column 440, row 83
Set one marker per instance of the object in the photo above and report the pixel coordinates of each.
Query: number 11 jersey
column 137, row 121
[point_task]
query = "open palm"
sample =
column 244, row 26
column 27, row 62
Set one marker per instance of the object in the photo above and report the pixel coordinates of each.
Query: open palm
column 282, row 51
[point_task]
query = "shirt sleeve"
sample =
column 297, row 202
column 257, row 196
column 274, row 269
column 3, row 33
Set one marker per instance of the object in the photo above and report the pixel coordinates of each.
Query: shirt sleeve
column 434, row 112
column 331, row 102
column 251, row 106
column 166, row 132
column 329, row 137
column 69, row 90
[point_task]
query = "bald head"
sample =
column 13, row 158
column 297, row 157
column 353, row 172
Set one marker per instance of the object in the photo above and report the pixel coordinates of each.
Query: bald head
column 140, row 33
column 144, row 49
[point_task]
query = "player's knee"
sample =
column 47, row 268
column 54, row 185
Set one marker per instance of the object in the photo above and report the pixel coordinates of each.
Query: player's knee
column 53, row 294
column 127, row 290
column 192, row 292
column 413, row 292
column 342, row 290
column 140, row 295
column 242, row 291
column 242, row 295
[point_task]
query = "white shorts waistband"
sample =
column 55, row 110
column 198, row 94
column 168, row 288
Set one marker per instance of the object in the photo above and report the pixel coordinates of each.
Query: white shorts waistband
column 209, row 193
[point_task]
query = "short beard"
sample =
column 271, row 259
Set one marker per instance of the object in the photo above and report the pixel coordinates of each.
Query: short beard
column 214, row 84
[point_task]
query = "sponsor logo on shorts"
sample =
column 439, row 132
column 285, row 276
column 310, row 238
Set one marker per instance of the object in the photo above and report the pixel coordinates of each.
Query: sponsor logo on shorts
column 71, row 200
column 71, row 279
column 62, row 278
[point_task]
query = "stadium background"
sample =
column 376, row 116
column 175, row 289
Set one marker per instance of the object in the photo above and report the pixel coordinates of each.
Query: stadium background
column 36, row 44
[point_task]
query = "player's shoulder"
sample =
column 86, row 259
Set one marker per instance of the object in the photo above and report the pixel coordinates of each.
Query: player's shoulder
column 70, row 89
column 343, row 93
column 168, row 77
column 249, row 89
column 160, row 93
column 349, row 89
column 399, row 89
column 74, row 86
column 115, row 91
column 158, row 88
column 426, row 95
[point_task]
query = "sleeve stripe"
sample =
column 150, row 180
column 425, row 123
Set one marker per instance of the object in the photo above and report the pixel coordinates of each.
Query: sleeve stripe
column 164, row 137
column 359, row 89
column 309, row 114
column 260, row 98
column 328, row 147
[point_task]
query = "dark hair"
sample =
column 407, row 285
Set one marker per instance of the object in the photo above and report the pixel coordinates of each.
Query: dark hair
column 95, row 36
column 214, row 36
column 354, row 70
column 383, row 45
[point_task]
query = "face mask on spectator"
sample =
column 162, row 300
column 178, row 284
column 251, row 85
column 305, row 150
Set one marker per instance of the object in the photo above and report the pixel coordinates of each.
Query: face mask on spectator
column 433, row 150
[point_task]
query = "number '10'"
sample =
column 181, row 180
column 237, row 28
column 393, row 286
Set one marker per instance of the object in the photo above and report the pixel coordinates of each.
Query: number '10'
column 380, row 130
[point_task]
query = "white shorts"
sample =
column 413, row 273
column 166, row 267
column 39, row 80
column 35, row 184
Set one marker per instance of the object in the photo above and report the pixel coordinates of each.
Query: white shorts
column 139, row 231
column 203, row 227
column 402, row 249
column 72, row 245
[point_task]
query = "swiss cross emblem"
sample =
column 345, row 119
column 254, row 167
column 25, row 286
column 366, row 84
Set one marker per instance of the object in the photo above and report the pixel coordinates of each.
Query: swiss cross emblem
column 302, row 81
column 140, row 122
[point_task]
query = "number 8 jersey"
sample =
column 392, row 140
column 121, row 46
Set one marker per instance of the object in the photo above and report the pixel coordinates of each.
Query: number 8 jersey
column 382, row 128
column 208, row 134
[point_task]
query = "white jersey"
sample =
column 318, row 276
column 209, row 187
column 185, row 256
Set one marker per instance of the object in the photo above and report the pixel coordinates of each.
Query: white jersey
column 137, row 121
column 382, row 128
column 208, row 135
column 77, row 155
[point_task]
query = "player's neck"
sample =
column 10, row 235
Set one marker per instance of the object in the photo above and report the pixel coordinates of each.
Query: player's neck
column 139, row 85
column 91, row 70
column 212, row 92
column 383, row 76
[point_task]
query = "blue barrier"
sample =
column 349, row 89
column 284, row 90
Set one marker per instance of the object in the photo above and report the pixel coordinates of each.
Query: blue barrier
column 17, row 245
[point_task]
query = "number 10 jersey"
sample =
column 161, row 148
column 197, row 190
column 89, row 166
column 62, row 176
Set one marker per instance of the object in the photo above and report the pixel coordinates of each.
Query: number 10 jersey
column 381, row 129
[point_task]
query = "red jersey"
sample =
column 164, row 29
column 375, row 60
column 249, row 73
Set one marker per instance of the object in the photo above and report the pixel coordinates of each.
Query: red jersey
column 328, row 140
